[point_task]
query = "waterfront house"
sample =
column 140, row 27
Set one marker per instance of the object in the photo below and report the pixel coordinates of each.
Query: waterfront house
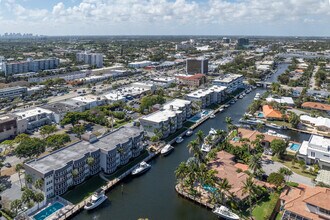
column 270, row 113
column 316, row 150
column 69, row 166
column 305, row 202
column 320, row 123
column 281, row 100
column 316, row 106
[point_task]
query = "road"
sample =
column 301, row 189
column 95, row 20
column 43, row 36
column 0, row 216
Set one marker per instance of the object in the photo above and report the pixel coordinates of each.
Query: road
column 272, row 166
column 312, row 82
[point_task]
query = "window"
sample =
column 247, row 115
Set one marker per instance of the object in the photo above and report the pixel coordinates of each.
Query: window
column 312, row 154
column 325, row 155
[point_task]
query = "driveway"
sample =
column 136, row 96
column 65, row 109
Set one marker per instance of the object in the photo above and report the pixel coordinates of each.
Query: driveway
column 270, row 166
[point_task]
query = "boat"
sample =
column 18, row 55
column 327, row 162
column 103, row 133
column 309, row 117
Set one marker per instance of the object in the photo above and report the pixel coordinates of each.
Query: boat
column 206, row 147
column 241, row 96
column 275, row 126
column 189, row 132
column 212, row 131
column 166, row 150
column 143, row 167
column 251, row 121
column 226, row 106
column 212, row 115
column 224, row 212
column 221, row 109
column 232, row 101
column 97, row 199
column 179, row 140
column 274, row 133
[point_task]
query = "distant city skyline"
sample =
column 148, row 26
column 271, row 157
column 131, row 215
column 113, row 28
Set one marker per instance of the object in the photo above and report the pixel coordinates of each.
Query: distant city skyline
column 166, row 17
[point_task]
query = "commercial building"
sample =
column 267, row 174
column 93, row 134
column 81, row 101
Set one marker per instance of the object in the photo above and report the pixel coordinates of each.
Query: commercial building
column 30, row 65
column 35, row 117
column 139, row 64
column 10, row 126
column 305, row 203
column 241, row 42
column 231, row 81
column 93, row 59
column 60, row 109
column 192, row 80
column 163, row 82
column 206, row 97
column 69, row 167
column 13, row 92
column 67, row 77
column 197, row 65
column 316, row 150
column 167, row 120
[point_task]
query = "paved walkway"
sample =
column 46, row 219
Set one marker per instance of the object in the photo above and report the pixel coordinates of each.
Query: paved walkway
column 270, row 166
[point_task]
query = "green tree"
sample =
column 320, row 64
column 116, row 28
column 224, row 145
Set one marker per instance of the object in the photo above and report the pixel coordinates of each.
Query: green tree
column 30, row 147
column 90, row 161
column 255, row 163
column 276, row 178
column 181, row 172
column 75, row 173
column 57, row 141
column 27, row 196
column 249, row 188
column 38, row 198
column 286, row 172
column 15, row 205
column 279, row 147
column 224, row 187
column 39, row 184
column 200, row 137
column 195, row 149
column 18, row 169
column 47, row 130
column 78, row 130
column 28, row 179
column 294, row 119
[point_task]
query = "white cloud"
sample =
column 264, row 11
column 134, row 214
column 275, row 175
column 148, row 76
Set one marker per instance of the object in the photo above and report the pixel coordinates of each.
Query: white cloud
column 178, row 15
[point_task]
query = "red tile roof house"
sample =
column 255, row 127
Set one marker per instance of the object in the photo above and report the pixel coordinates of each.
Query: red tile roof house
column 270, row 113
column 192, row 81
column 305, row 203
column 316, row 105
column 227, row 168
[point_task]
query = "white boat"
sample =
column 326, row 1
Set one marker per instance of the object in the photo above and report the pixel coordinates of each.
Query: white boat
column 206, row 148
column 167, row 149
column 224, row 212
column 212, row 131
column 212, row 115
column 275, row 126
column 189, row 132
column 143, row 167
column 241, row 96
column 97, row 199
column 272, row 132
column 179, row 140
column 221, row 109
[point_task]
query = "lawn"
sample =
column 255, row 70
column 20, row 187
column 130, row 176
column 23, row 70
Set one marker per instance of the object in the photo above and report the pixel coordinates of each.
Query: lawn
column 287, row 161
column 265, row 207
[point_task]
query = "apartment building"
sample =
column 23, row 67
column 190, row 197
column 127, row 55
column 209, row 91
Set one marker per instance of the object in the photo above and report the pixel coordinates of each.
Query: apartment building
column 10, row 126
column 69, row 167
column 139, row 64
column 167, row 120
column 316, row 150
column 197, row 65
column 67, row 77
column 209, row 96
column 93, row 59
column 30, row 65
column 192, row 80
column 305, row 203
column 35, row 117
column 13, row 92
column 231, row 81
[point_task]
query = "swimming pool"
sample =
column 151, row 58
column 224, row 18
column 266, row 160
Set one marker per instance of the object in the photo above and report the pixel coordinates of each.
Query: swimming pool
column 198, row 116
column 294, row 146
column 236, row 139
column 210, row 188
column 260, row 115
column 48, row 211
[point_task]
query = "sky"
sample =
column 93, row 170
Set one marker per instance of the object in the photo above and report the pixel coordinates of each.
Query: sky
column 166, row 17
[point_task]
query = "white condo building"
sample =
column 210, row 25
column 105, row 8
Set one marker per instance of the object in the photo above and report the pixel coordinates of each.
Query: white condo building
column 316, row 150
column 212, row 95
column 35, row 117
column 231, row 81
column 68, row 166
column 168, row 119
column 93, row 59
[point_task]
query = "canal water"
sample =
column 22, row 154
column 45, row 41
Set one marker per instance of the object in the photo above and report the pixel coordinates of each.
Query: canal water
column 152, row 195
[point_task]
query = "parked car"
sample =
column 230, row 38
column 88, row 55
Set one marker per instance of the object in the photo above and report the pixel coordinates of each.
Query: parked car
column 8, row 165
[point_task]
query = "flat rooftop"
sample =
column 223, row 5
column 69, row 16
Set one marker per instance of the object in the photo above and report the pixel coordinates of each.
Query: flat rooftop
column 32, row 112
column 161, row 115
column 13, row 88
column 320, row 141
column 58, row 159
column 86, row 98
column 176, row 103
column 227, row 78
column 203, row 92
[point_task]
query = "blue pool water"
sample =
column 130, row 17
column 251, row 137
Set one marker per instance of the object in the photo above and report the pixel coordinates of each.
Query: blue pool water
column 209, row 188
column 260, row 115
column 48, row 211
column 198, row 116
column 236, row 139
column 295, row 146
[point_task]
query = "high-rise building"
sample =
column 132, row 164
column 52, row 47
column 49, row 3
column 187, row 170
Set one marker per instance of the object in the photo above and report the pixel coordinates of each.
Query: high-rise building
column 30, row 65
column 241, row 42
column 93, row 59
column 225, row 40
column 194, row 66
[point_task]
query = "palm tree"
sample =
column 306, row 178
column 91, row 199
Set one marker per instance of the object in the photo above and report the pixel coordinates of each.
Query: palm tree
column 200, row 137
column 16, row 205
column 28, row 179
column 39, row 197
column 286, row 172
column 75, row 173
column 229, row 123
column 181, row 171
column 224, row 187
column 39, row 184
column 18, row 169
column 220, row 133
column 195, row 149
column 255, row 163
column 27, row 195
column 249, row 189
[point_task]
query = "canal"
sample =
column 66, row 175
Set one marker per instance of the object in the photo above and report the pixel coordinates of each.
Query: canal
column 152, row 195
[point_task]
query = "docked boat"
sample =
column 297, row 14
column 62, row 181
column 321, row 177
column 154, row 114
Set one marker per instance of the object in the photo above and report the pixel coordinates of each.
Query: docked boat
column 274, row 133
column 226, row 106
column 189, row 132
column 166, row 150
column 275, row 126
column 143, row 167
column 97, row 199
column 224, row 212
column 251, row 121
column 241, row 96
column 212, row 115
column 206, row 148
column 221, row 109
column 212, row 131
column 179, row 140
